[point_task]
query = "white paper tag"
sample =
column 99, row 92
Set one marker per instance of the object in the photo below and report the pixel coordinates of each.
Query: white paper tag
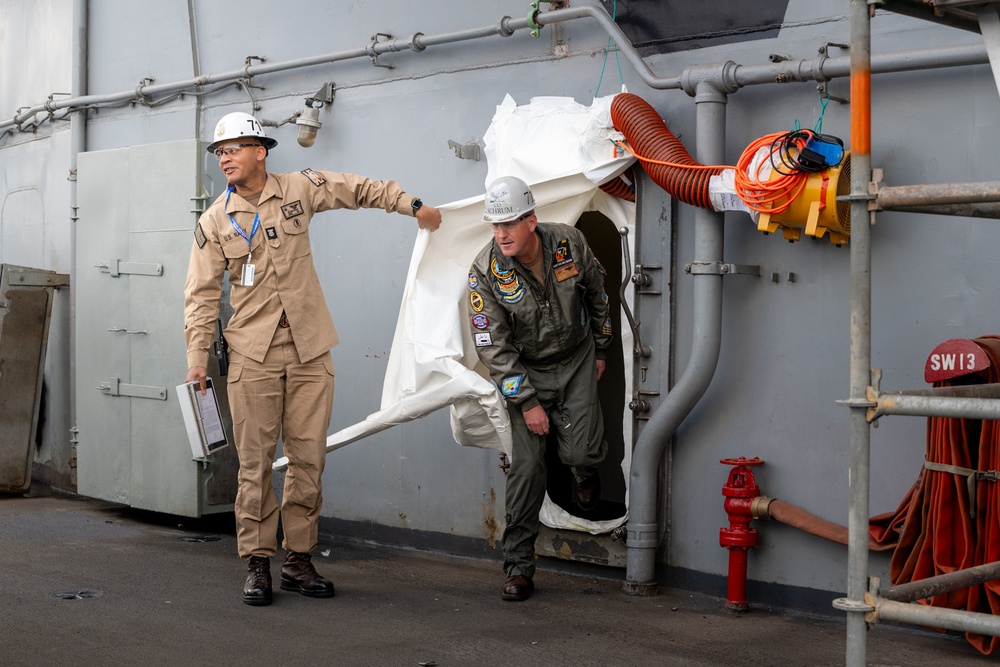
column 247, row 276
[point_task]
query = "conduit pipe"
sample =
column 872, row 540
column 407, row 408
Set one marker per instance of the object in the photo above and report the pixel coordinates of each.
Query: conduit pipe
column 78, row 144
column 822, row 68
column 642, row 528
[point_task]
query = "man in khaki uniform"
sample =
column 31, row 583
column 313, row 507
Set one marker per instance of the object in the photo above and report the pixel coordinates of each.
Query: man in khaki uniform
column 280, row 335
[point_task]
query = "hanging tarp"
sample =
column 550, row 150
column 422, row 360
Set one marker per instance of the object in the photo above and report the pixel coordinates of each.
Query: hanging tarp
column 555, row 148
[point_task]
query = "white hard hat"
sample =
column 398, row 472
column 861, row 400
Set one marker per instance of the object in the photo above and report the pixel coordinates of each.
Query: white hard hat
column 507, row 198
column 238, row 124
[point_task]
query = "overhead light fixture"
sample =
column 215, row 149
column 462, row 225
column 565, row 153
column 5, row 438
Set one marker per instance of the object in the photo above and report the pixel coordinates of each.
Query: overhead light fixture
column 308, row 122
column 308, row 119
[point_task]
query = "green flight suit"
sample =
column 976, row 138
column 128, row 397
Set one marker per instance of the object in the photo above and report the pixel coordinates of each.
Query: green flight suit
column 540, row 344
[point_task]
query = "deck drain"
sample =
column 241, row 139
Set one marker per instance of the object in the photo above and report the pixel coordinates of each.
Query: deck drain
column 78, row 594
column 201, row 538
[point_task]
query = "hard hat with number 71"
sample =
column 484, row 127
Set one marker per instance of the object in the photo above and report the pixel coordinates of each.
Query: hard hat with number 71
column 237, row 125
column 507, row 199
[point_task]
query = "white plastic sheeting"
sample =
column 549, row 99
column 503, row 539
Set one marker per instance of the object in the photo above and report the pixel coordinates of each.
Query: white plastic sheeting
column 559, row 147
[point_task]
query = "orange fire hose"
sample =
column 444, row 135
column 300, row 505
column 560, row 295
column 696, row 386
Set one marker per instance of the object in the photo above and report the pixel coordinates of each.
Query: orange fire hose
column 938, row 533
column 797, row 517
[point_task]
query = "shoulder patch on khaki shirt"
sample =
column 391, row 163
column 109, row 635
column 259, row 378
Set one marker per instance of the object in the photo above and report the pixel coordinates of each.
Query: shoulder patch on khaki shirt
column 199, row 236
column 316, row 178
column 295, row 208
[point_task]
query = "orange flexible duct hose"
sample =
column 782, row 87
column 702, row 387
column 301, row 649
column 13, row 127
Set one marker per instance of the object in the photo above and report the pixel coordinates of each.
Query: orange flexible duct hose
column 650, row 137
column 621, row 186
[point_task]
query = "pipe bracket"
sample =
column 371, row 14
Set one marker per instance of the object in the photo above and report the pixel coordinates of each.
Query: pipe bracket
column 373, row 52
column 846, row 604
column 641, row 536
column 721, row 269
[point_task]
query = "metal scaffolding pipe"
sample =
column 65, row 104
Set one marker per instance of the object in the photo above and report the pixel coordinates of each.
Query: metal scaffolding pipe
column 893, row 197
column 942, row 583
column 988, row 390
column 935, row 617
column 979, row 210
column 934, row 406
column 861, row 338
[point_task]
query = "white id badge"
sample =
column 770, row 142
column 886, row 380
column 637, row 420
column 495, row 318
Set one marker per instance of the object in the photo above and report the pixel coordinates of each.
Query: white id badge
column 247, row 277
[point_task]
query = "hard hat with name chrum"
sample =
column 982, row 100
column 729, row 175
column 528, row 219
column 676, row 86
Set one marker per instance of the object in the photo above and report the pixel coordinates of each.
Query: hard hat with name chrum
column 508, row 198
column 237, row 125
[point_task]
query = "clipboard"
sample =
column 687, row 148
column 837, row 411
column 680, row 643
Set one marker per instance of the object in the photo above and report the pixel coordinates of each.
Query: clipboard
column 202, row 419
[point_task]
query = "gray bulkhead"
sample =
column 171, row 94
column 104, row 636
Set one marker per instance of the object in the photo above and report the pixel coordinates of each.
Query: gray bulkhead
column 785, row 334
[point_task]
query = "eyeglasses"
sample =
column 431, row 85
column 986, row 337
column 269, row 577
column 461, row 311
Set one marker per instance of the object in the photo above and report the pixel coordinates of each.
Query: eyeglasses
column 511, row 224
column 232, row 150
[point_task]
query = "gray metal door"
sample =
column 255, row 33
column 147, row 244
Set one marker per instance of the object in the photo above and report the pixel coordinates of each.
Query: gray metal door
column 134, row 234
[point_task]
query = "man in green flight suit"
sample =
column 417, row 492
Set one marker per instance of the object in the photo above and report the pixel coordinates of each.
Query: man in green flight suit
column 539, row 316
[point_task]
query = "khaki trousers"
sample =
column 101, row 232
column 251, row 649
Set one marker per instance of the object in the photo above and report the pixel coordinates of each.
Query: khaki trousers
column 281, row 395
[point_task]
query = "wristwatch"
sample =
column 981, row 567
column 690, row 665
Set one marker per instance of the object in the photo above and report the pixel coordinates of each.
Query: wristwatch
column 416, row 206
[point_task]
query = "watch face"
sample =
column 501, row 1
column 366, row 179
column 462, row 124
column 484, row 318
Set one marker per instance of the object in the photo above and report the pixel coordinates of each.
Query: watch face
column 416, row 205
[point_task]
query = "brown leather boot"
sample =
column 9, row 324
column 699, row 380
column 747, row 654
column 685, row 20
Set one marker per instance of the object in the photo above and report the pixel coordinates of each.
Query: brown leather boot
column 257, row 589
column 588, row 493
column 517, row 588
column 298, row 574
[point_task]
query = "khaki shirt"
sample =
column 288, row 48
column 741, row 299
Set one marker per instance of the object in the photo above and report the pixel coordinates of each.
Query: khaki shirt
column 285, row 277
column 519, row 325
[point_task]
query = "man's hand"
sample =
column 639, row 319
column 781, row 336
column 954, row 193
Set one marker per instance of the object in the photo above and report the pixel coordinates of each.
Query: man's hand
column 199, row 373
column 428, row 217
column 601, row 363
column 537, row 420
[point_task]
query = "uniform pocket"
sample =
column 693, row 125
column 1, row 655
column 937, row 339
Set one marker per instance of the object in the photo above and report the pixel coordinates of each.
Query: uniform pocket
column 237, row 401
column 296, row 236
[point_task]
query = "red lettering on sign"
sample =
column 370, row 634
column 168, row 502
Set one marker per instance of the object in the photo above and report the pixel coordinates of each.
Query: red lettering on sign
column 954, row 358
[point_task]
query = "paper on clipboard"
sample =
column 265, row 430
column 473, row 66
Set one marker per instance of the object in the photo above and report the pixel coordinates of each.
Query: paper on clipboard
column 202, row 419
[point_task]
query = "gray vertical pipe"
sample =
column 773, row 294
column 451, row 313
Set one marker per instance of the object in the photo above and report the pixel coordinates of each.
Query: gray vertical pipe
column 195, row 64
column 642, row 536
column 860, row 372
column 78, row 144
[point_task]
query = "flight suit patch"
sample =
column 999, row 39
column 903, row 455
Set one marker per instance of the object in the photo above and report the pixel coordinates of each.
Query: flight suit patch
column 271, row 232
column 314, row 177
column 199, row 236
column 476, row 301
column 606, row 328
column 293, row 209
column 473, row 281
column 480, row 321
column 507, row 285
column 566, row 272
column 484, row 339
column 511, row 385
column 563, row 265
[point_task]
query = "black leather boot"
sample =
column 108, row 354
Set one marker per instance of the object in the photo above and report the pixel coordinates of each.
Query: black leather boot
column 298, row 574
column 257, row 590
